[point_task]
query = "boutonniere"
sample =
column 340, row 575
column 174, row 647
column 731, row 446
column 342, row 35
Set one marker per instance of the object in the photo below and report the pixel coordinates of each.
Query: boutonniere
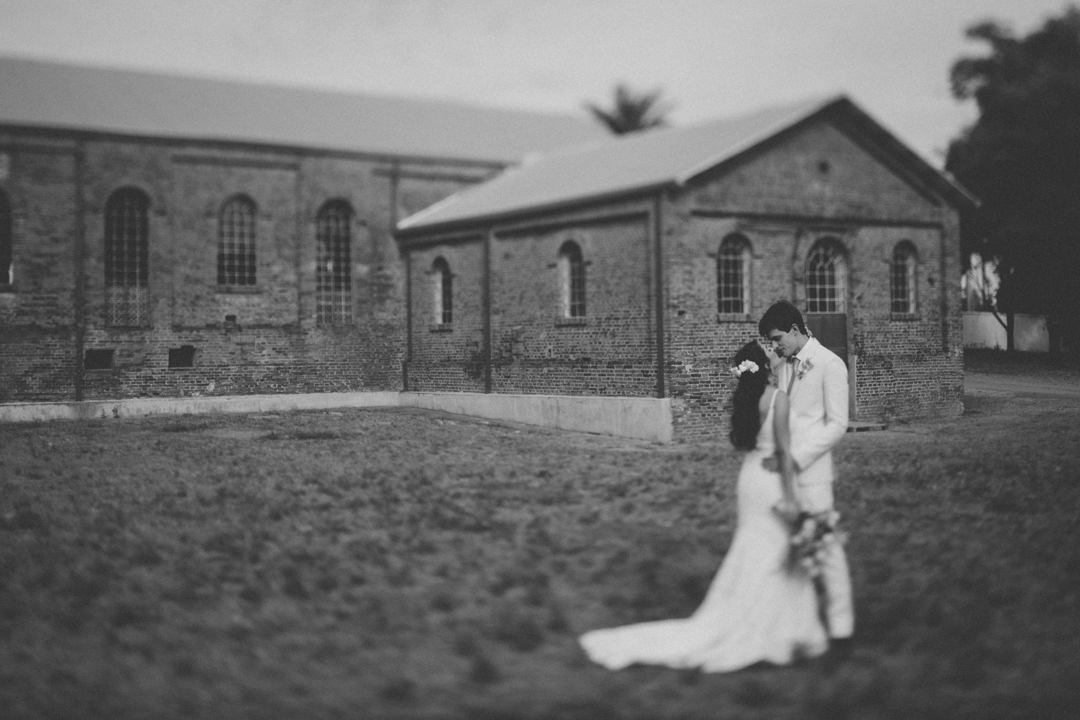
column 805, row 366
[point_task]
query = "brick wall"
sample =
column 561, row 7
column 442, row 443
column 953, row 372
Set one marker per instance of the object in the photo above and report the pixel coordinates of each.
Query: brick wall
column 537, row 349
column 448, row 357
column 534, row 347
column 37, row 317
column 251, row 339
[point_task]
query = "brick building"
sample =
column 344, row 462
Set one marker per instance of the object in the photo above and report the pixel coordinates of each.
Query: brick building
column 173, row 236
column 635, row 267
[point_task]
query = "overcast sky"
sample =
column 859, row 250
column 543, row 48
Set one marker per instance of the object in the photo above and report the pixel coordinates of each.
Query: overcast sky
column 711, row 57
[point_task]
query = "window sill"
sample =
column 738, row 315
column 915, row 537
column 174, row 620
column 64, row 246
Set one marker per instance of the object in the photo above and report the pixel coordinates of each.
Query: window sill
column 904, row 317
column 441, row 328
column 238, row 289
column 733, row 317
column 571, row 322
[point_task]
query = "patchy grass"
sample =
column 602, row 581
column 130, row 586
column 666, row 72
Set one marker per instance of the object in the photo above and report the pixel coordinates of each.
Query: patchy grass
column 395, row 564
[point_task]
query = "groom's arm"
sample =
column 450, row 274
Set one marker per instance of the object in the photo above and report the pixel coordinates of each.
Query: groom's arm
column 816, row 442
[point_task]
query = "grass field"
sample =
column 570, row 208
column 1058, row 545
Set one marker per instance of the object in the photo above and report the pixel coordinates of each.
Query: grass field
column 1063, row 368
column 397, row 564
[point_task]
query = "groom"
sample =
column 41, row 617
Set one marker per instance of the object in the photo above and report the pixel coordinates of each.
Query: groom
column 816, row 382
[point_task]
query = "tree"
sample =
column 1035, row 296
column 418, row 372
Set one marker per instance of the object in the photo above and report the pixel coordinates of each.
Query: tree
column 632, row 111
column 1022, row 159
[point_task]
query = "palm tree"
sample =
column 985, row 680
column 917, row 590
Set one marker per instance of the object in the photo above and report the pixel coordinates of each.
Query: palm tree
column 633, row 111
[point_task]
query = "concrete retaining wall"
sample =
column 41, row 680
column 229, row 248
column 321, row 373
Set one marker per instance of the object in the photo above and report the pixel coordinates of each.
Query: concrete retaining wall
column 640, row 418
column 633, row 417
column 982, row 330
column 136, row 407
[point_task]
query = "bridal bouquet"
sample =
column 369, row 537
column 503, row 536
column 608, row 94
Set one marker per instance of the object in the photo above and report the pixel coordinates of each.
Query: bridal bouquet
column 813, row 534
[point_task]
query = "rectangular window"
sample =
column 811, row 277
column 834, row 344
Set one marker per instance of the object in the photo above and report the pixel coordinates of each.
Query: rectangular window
column 98, row 359
column 182, row 357
column 899, row 289
column 572, row 271
column 902, row 280
column 127, row 258
column 236, row 244
column 126, row 306
column 447, row 299
column 732, row 273
column 826, row 278
column 577, row 289
column 333, row 266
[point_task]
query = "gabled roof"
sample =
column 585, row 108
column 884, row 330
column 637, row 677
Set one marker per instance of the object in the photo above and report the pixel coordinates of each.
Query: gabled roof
column 643, row 162
column 51, row 95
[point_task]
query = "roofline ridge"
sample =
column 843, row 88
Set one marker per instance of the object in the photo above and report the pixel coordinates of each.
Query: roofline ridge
column 807, row 109
column 299, row 87
column 650, row 135
column 416, row 217
column 449, row 201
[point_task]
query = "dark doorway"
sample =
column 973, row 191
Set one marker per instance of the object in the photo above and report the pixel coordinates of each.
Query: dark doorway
column 830, row 329
column 826, row 304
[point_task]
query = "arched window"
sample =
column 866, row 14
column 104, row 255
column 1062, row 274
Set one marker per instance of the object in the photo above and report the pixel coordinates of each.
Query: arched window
column 236, row 243
column 826, row 278
column 572, row 278
column 7, row 254
column 127, row 232
column 442, row 292
column 333, row 266
column 902, row 279
column 733, row 275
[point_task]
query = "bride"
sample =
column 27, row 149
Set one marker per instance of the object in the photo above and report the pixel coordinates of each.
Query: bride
column 758, row 608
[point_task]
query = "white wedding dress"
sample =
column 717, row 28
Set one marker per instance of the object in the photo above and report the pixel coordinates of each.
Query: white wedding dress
column 756, row 609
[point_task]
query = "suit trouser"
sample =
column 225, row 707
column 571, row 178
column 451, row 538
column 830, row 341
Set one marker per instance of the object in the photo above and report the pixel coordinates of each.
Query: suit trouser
column 835, row 576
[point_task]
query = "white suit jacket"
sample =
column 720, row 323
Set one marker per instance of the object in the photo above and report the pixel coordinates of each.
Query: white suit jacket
column 819, row 410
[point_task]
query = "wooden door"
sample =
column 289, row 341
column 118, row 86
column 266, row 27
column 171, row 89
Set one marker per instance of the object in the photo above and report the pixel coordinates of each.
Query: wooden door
column 830, row 329
column 826, row 304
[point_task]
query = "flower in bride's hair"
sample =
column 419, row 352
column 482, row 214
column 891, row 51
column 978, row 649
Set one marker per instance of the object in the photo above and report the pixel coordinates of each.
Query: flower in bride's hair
column 744, row 366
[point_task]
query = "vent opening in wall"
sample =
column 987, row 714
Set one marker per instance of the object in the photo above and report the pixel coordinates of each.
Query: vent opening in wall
column 182, row 357
column 98, row 359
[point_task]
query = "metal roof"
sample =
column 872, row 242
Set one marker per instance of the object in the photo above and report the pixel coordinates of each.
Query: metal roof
column 645, row 161
column 59, row 96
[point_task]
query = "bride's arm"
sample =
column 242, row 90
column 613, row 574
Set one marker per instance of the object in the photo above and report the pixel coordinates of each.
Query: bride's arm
column 782, row 434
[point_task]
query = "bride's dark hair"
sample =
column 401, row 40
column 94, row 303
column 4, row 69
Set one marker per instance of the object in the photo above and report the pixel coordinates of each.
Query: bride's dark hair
column 745, row 418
